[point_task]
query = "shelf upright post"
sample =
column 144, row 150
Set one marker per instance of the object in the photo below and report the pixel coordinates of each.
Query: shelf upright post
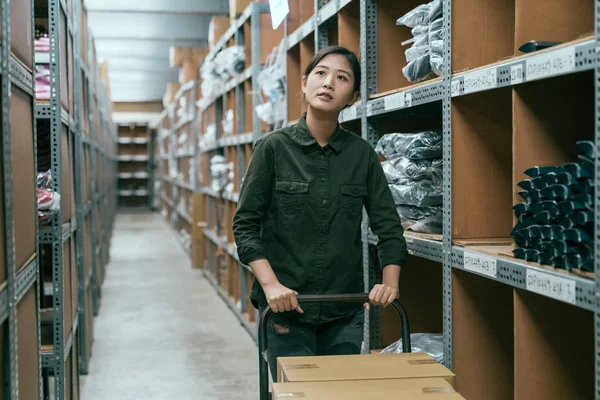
column 447, row 191
column 79, row 206
column 93, row 102
column 597, row 198
column 369, row 131
column 9, row 231
column 39, row 283
column 321, row 34
column 256, row 67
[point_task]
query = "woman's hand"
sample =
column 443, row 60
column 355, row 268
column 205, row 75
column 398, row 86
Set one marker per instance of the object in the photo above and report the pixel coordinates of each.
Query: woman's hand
column 281, row 298
column 382, row 295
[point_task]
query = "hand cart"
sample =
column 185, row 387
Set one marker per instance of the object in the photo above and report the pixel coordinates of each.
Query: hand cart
column 309, row 298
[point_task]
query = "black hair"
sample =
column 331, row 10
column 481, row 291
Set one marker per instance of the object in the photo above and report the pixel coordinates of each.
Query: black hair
column 338, row 50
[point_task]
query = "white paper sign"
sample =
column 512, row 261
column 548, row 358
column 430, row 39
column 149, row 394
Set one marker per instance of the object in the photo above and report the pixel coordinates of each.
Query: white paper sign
column 551, row 63
column 482, row 80
column 480, row 264
column 279, row 10
column 552, row 286
column 369, row 109
column 408, row 99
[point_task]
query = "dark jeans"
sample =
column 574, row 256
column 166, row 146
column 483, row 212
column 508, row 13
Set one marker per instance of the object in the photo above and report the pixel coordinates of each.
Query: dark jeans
column 287, row 338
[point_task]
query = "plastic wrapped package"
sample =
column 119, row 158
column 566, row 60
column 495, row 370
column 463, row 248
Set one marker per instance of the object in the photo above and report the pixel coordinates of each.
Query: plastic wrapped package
column 430, row 343
column 210, row 137
column 219, row 170
column 42, row 45
column 435, row 10
column 421, row 219
column 401, row 169
column 414, row 146
column 182, row 139
column 42, row 82
column 436, row 57
column 266, row 113
column 420, row 193
column 415, row 17
column 48, row 200
column 227, row 123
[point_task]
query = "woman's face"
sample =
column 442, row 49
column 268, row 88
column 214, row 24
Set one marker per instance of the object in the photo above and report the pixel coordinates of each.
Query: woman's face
column 329, row 87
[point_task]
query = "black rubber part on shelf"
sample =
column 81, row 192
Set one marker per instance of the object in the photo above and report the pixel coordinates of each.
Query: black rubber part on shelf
column 537, row 45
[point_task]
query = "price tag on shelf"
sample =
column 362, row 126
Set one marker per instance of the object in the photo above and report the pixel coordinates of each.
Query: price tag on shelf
column 393, row 101
column 551, row 63
column 516, row 74
column 481, row 80
column 279, row 10
column 369, row 109
column 481, row 264
column 558, row 288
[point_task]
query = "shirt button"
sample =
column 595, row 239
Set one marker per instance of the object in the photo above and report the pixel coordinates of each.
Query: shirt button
column 321, row 248
column 322, row 179
column 324, row 201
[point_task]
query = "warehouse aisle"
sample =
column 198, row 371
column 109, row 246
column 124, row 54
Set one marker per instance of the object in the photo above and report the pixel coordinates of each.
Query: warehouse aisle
column 163, row 332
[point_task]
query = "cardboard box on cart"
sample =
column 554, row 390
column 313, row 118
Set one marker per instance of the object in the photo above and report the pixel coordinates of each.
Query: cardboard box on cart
column 381, row 389
column 361, row 367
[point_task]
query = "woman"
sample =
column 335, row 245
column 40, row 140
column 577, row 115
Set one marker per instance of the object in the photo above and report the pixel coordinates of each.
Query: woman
column 298, row 222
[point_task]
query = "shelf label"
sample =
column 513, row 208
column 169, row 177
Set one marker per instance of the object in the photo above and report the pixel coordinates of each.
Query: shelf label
column 551, row 286
column 408, row 99
column 393, row 101
column 481, row 80
column 279, row 10
column 551, row 63
column 516, row 74
column 455, row 87
column 480, row 264
column 307, row 28
column 369, row 109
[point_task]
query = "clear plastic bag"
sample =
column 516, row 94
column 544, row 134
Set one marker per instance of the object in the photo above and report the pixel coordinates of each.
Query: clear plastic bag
column 417, row 16
column 419, row 69
column 421, row 219
column 400, row 169
column 48, row 200
column 414, row 146
column 227, row 123
column 430, row 343
column 420, row 193
column 435, row 10
column 220, row 172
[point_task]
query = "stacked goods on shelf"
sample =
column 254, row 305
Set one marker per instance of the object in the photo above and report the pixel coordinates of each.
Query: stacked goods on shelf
column 413, row 168
column 216, row 29
column 555, row 224
column 425, row 56
column 271, row 82
column 188, row 60
column 134, row 168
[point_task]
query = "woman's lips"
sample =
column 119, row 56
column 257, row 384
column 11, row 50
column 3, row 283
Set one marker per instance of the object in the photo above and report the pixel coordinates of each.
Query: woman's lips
column 325, row 96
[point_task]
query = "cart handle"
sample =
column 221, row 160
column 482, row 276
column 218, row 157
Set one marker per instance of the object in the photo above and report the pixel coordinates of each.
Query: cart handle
column 326, row 298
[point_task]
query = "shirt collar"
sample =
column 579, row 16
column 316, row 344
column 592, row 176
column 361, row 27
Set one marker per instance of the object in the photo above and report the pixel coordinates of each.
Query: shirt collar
column 301, row 134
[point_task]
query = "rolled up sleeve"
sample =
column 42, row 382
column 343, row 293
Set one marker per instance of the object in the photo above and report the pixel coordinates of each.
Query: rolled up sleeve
column 383, row 218
column 255, row 196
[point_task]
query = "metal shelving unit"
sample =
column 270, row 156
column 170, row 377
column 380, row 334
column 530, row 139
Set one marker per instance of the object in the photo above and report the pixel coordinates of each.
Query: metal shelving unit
column 573, row 57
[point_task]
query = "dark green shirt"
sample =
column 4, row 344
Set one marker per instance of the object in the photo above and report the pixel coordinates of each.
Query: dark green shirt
column 300, row 207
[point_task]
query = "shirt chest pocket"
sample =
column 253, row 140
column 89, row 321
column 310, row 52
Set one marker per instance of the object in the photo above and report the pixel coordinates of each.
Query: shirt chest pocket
column 352, row 199
column 291, row 196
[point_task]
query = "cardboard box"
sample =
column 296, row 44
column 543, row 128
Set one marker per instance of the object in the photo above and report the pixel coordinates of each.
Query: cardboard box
column 217, row 28
column 414, row 389
column 361, row 367
column 190, row 71
column 237, row 7
column 27, row 346
column 177, row 55
column 172, row 89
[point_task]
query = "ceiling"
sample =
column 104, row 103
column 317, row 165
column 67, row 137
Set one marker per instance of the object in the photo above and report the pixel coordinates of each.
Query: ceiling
column 134, row 37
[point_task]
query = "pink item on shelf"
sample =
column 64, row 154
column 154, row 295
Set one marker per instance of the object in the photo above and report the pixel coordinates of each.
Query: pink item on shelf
column 42, row 45
column 42, row 82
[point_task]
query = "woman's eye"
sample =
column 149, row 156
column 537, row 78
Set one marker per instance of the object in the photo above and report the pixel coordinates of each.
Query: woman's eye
column 342, row 77
column 320, row 73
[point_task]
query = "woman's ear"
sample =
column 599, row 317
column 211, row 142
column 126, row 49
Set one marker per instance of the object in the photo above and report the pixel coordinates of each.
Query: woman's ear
column 304, row 84
column 353, row 99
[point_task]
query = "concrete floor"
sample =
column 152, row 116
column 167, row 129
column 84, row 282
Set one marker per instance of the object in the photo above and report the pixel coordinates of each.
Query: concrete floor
column 163, row 332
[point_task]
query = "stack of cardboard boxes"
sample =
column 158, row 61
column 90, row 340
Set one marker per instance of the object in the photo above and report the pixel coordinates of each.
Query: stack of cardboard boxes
column 188, row 60
column 381, row 376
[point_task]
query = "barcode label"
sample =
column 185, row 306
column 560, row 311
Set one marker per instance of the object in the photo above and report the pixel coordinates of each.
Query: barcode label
column 551, row 286
column 482, row 80
column 369, row 110
column 516, row 74
column 552, row 63
column 408, row 99
column 480, row 264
